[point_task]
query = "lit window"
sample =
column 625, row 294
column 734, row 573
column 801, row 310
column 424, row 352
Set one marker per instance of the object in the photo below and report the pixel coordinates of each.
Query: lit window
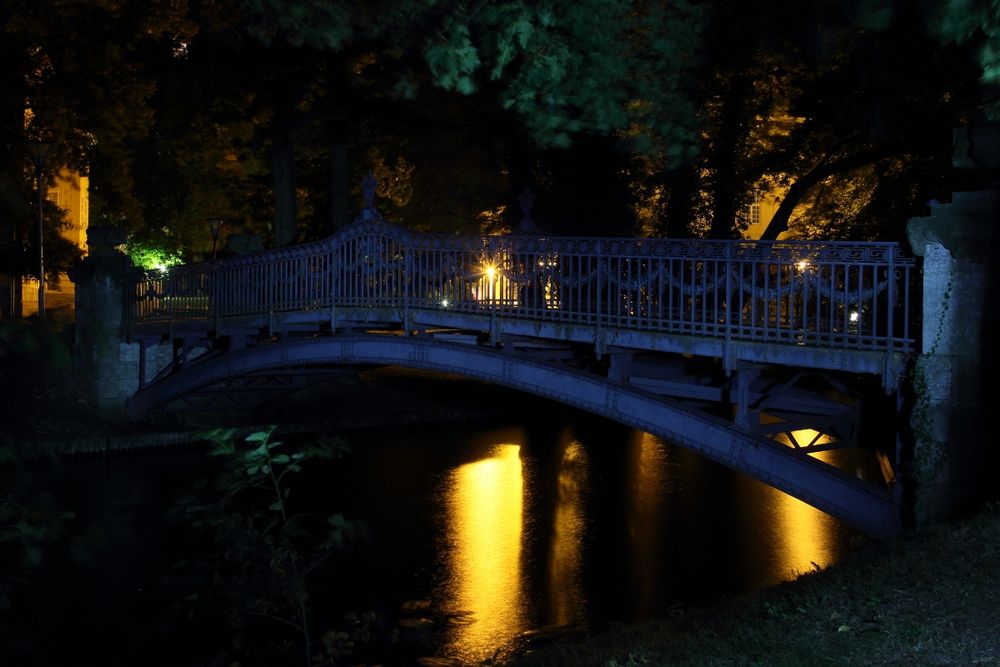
column 755, row 207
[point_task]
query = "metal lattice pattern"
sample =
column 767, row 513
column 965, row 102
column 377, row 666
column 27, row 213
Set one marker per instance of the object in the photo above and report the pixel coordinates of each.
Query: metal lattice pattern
column 841, row 295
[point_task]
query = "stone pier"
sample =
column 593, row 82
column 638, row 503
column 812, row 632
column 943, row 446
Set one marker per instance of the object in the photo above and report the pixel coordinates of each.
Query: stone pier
column 106, row 363
column 952, row 449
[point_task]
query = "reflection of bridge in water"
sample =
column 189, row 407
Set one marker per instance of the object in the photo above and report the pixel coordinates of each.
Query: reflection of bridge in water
column 734, row 349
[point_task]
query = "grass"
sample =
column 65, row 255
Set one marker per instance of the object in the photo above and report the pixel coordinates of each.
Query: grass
column 931, row 598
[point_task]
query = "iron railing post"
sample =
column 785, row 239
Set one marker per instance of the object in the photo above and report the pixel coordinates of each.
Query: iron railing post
column 129, row 305
column 891, row 288
column 727, row 342
column 334, row 283
column 890, row 306
column 407, row 274
column 213, row 295
column 598, row 333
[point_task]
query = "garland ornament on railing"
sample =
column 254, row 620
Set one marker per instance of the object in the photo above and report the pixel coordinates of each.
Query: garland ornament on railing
column 770, row 291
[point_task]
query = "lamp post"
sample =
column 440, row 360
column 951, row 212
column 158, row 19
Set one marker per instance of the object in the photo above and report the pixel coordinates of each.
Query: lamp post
column 37, row 151
column 215, row 227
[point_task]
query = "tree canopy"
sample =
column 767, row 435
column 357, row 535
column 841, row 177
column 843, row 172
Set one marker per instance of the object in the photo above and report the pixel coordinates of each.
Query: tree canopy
column 624, row 116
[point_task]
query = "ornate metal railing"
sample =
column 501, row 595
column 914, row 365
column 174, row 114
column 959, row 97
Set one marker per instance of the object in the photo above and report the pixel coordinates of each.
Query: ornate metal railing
column 842, row 295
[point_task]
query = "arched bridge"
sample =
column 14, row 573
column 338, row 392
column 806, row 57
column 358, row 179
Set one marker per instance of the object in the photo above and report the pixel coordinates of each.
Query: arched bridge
column 733, row 349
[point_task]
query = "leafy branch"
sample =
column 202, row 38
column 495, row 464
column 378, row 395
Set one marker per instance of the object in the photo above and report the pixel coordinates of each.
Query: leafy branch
column 276, row 548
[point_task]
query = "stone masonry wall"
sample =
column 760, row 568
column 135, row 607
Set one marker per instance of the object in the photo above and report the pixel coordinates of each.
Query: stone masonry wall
column 949, row 380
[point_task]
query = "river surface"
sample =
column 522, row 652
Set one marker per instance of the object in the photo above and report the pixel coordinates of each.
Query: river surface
column 574, row 526
column 474, row 536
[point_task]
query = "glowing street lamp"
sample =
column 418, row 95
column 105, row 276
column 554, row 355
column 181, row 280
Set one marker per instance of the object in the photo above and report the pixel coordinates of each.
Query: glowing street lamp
column 488, row 291
column 37, row 150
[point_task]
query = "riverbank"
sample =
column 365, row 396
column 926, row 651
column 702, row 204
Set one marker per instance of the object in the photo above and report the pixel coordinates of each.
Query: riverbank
column 60, row 421
column 926, row 599
column 47, row 413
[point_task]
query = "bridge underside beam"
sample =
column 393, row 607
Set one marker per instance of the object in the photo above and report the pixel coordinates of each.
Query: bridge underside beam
column 765, row 409
column 863, row 506
column 732, row 352
column 255, row 390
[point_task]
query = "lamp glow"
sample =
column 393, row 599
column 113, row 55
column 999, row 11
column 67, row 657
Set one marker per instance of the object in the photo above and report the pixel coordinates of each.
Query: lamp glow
column 854, row 316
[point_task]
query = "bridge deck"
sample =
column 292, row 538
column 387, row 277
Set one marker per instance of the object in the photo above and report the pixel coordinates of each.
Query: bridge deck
column 733, row 352
column 815, row 305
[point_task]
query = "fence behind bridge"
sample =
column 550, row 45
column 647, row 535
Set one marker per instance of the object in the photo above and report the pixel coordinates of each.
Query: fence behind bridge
column 827, row 294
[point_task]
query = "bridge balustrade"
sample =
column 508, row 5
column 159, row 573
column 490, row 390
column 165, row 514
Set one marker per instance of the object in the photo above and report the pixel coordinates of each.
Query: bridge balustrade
column 828, row 294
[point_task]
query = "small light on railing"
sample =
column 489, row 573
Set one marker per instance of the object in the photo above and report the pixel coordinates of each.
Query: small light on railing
column 161, row 267
column 803, row 265
column 444, row 303
column 854, row 316
column 491, row 272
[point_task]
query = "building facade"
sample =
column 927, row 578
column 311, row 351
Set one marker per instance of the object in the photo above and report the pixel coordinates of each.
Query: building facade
column 70, row 192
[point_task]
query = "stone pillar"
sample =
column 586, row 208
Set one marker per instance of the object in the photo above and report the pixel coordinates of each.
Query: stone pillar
column 951, row 383
column 102, row 358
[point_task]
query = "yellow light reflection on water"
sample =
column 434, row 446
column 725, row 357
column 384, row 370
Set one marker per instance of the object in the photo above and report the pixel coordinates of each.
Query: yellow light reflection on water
column 485, row 516
column 568, row 528
column 647, row 471
column 805, row 538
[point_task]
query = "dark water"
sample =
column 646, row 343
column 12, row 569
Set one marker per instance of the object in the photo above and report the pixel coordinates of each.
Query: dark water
column 473, row 535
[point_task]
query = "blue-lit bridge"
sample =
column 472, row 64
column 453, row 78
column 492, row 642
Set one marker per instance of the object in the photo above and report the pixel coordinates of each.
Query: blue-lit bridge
column 730, row 348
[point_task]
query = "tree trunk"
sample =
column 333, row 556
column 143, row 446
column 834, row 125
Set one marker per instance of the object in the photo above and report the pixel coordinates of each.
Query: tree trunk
column 284, row 96
column 340, row 105
column 13, row 160
column 520, row 177
column 724, row 165
column 340, row 202
column 285, row 203
column 680, row 184
column 823, row 170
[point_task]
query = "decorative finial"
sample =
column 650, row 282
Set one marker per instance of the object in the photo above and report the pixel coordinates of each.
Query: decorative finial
column 368, row 186
column 526, row 225
column 526, row 200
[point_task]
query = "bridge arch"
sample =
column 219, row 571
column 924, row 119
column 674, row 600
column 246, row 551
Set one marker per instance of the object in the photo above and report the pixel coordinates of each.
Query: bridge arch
column 857, row 503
